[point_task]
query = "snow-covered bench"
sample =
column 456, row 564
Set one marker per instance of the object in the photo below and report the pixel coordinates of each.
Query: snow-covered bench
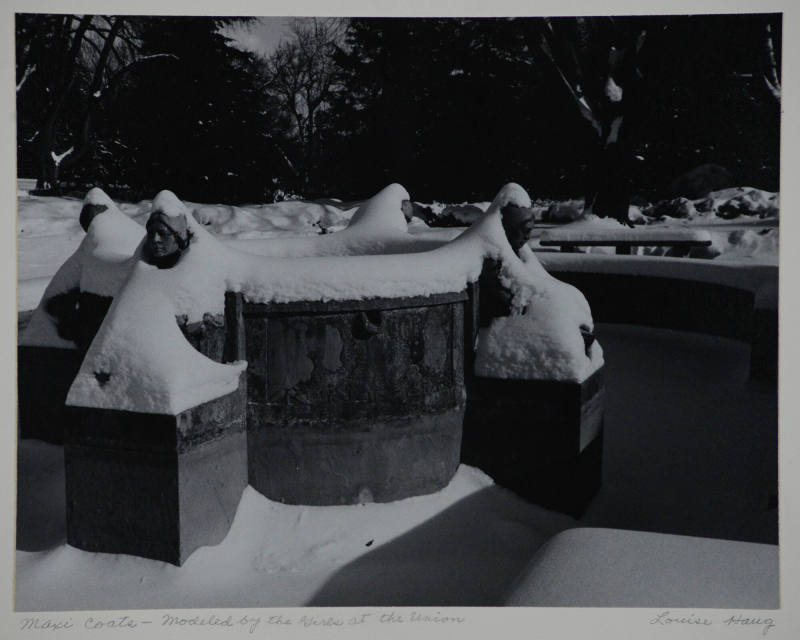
column 596, row 232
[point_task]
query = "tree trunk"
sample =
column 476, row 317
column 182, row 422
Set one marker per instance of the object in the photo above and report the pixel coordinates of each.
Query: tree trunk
column 48, row 172
column 608, row 178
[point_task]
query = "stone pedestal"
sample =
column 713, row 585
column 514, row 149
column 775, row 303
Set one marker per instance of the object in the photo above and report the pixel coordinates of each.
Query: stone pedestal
column 354, row 401
column 151, row 485
column 541, row 439
column 44, row 376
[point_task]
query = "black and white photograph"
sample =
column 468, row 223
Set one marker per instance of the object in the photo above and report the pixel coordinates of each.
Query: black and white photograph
column 339, row 321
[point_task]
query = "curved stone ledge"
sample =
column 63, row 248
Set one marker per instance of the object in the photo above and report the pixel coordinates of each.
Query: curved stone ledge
column 684, row 304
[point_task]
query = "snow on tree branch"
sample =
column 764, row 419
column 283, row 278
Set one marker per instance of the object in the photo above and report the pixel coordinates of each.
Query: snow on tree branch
column 28, row 71
column 57, row 158
column 771, row 78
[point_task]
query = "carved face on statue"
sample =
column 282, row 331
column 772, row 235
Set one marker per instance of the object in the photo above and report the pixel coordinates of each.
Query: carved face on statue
column 518, row 224
column 167, row 238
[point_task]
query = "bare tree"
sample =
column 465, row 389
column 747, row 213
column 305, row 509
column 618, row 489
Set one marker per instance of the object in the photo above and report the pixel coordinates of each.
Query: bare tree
column 71, row 63
column 596, row 60
column 772, row 76
column 302, row 74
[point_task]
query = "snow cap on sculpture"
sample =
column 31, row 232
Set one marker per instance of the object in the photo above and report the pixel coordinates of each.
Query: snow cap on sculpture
column 168, row 234
column 95, row 202
column 167, row 208
column 516, row 215
column 510, row 193
column 383, row 211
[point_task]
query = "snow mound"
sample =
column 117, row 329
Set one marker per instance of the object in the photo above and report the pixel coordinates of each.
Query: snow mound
column 99, row 265
column 380, row 212
column 270, row 220
column 140, row 360
column 378, row 226
column 168, row 203
column 563, row 211
column 680, row 208
column 746, row 201
column 544, row 342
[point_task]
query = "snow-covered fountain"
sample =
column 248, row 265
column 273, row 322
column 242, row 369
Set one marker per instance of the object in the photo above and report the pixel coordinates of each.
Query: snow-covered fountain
column 326, row 371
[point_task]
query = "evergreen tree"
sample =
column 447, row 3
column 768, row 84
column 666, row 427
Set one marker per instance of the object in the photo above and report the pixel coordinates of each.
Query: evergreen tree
column 199, row 124
column 449, row 107
column 68, row 67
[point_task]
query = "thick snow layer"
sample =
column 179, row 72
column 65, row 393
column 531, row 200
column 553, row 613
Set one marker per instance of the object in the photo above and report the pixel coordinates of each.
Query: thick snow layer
column 271, row 220
column 669, row 395
column 591, row 228
column 749, row 245
column 139, row 362
column 49, row 233
column 248, row 261
column 589, row 567
column 544, row 342
column 209, row 268
column 99, row 265
column 737, row 201
column 378, row 226
column 285, row 555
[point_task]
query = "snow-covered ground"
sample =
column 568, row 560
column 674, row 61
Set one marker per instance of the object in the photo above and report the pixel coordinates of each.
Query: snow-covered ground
column 465, row 545
column 704, row 467
column 48, row 229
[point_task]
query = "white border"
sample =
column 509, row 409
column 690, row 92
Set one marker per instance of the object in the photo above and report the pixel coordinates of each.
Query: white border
column 525, row 623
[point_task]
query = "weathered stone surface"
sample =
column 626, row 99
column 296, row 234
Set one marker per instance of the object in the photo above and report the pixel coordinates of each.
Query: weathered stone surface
column 377, row 461
column 671, row 303
column 153, row 485
column 44, row 376
column 207, row 336
column 354, row 398
column 541, row 439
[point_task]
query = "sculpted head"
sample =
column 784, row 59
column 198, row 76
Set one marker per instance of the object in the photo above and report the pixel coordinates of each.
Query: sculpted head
column 518, row 223
column 168, row 236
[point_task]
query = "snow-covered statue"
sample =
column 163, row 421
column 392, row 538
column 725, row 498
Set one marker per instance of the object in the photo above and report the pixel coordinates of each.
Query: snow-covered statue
column 496, row 298
column 518, row 224
column 168, row 234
